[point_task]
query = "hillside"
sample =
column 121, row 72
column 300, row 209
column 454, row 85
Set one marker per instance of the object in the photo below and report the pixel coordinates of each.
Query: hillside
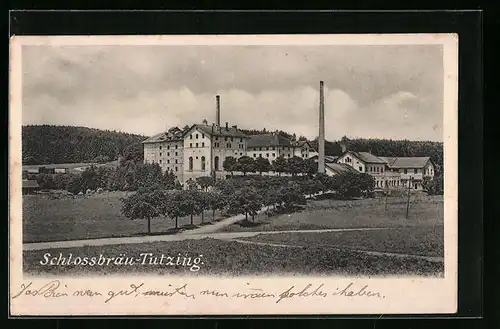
column 44, row 144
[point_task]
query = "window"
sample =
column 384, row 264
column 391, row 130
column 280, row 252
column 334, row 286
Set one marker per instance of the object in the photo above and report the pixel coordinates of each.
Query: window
column 225, row 139
column 265, row 148
column 160, row 153
column 196, row 144
column 241, row 154
column 168, row 161
column 267, row 155
column 202, row 144
column 191, row 136
column 274, row 155
column 160, row 161
column 260, row 155
column 229, row 145
column 175, row 168
column 414, row 171
column 216, row 163
column 168, row 147
column 231, row 139
column 406, row 171
column 216, row 138
column 160, row 147
column 168, row 154
column 241, row 139
column 202, row 135
column 176, row 148
column 190, row 145
column 260, row 148
column 381, row 169
column 175, row 161
column 176, row 153
column 203, row 163
column 273, row 148
column 254, row 155
column 196, row 136
column 360, row 168
column 288, row 155
column 190, row 163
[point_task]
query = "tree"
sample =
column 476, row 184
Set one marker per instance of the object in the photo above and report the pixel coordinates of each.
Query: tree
column 169, row 180
column 216, row 202
column 191, row 185
column 190, row 203
column 230, row 164
column 289, row 196
column 295, row 165
column 173, row 206
column 280, row 165
column 205, row 182
column 202, row 204
column 143, row 205
column 310, row 167
column 246, row 201
column 323, row 181
column 246, row 164
column 351, row 185
column 434, row 186
column 262, row 165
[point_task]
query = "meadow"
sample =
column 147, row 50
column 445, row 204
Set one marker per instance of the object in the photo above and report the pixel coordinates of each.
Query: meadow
column 89, row 217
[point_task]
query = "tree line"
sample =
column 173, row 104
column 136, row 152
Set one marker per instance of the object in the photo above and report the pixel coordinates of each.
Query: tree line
column 239, row 195
column 45, row 144
column 294, row 165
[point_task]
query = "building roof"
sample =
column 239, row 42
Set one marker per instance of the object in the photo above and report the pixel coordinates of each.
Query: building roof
column 172, row 135
column 409, row 162
column 339, row 167
column 268, row 140
column 212, row 130
column 30, row 184
column 367, row 157
column 389, row 160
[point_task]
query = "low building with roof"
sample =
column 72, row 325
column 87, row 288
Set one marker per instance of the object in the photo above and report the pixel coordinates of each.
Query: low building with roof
column 30, row 186
column 269, row 146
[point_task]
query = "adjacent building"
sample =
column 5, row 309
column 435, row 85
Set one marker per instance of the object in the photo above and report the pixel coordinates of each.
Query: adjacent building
column 390, row 172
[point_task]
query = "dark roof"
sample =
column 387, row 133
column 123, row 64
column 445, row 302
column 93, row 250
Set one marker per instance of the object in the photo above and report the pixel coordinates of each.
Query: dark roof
column 212, row 130
column 268, row 140
column 30, row 184
column 328, row 158
column 367, row 157
column 409, row 162
column 389, row 160
column 172, row 135
column 340, row 167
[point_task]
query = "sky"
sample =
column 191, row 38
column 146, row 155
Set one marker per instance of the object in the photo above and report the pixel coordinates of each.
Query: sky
column 391, row 92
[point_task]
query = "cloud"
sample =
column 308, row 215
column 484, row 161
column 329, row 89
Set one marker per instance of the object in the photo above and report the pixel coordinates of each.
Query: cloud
column 370, row 91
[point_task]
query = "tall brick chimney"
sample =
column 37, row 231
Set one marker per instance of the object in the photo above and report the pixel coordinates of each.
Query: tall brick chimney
column 217, row 113
column 321, row 138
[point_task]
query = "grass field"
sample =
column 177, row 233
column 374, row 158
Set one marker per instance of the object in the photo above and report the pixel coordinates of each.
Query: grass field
column 234, row 259
column 423, row 241
column 324, row 214
column 86, row 217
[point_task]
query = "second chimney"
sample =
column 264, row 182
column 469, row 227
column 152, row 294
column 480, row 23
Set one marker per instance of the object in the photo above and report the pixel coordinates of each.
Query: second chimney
column 217, row 113
column 227, row 125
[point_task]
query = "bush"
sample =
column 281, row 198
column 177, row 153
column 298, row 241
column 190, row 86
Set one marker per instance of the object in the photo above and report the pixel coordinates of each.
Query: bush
column 434, row 186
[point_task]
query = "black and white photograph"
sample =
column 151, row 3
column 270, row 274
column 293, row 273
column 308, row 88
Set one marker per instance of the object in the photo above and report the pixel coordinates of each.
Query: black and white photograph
column 288, row 170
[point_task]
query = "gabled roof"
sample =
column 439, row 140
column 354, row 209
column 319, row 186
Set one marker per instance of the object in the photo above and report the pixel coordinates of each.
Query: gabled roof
column 389, row 160
column 212, row 130
column 268, row 140
column 409, row 162
column 340, row 167
column 367, row 157
column 172, row 135
column 30, row 184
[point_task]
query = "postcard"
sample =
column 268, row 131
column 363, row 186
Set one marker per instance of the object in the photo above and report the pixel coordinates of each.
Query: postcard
column 233, row 174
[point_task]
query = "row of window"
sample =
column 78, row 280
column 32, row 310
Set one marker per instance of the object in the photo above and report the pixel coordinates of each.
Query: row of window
column 168, row 154
column 168, row 147
column 196, row 145
column 196, row 136
column 376, row 169
column 285, row 148
column 168, row 161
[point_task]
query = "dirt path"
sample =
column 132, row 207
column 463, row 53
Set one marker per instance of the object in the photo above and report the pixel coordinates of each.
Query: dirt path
column 167, row 238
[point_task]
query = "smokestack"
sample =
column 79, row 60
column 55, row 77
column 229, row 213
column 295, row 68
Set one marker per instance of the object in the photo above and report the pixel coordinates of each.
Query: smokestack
column 217, row 113
column 321, row 139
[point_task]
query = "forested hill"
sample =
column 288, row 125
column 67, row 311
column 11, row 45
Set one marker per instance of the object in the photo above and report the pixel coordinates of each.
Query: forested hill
column 44, row 144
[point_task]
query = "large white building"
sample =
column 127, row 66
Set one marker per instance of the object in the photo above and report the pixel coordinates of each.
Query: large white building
column 200, row 149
